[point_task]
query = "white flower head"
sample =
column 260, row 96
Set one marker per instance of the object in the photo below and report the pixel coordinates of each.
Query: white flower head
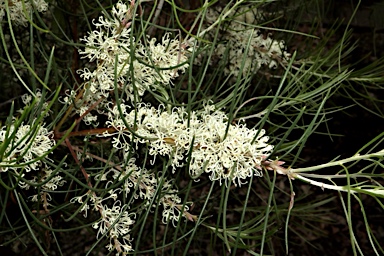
column 116, row 223
column 27, row 145
column 225, row 154
column 51, row 184
column 234, row 154
column 246, row 49
column 27, row 100
column 19, row 9
column 125, row 62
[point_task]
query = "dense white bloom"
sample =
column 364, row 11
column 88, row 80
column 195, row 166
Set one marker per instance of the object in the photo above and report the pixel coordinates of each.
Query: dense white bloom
column 116, row 222
column 242, row 44
column 140, row 66
column 225, row 154
column 17, row 12
column 144, row 185
column 29, row 142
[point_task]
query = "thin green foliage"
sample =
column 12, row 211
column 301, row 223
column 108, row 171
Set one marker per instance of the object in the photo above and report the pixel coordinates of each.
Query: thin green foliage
column 170, row 127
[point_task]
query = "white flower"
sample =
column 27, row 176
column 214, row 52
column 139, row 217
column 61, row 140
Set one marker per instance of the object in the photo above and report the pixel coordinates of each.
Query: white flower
column 51, row 185
column 26, row 146
column 116, row 223
column 53, row 182
column 16, row 11
column 245, row 47
column 172, row 208
column 85, row 206
column 27, row 100
column 163, row 56
column 225, row 154
column 110, row 47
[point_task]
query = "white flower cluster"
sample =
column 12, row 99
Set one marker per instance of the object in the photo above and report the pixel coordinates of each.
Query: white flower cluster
column 243, row 44
column 27, row 100
column 51, row 182
column 112, row 46
column 144, row 185
column 115, row 221
column 204, row 139
column 25, row 146
column 29, row 142
column 226, row 153
column 133, row 66
column 19, row 9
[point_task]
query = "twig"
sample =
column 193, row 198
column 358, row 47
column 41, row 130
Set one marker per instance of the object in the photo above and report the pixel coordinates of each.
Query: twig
column 339, row 162
column 9, row 101
column 159, row 7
